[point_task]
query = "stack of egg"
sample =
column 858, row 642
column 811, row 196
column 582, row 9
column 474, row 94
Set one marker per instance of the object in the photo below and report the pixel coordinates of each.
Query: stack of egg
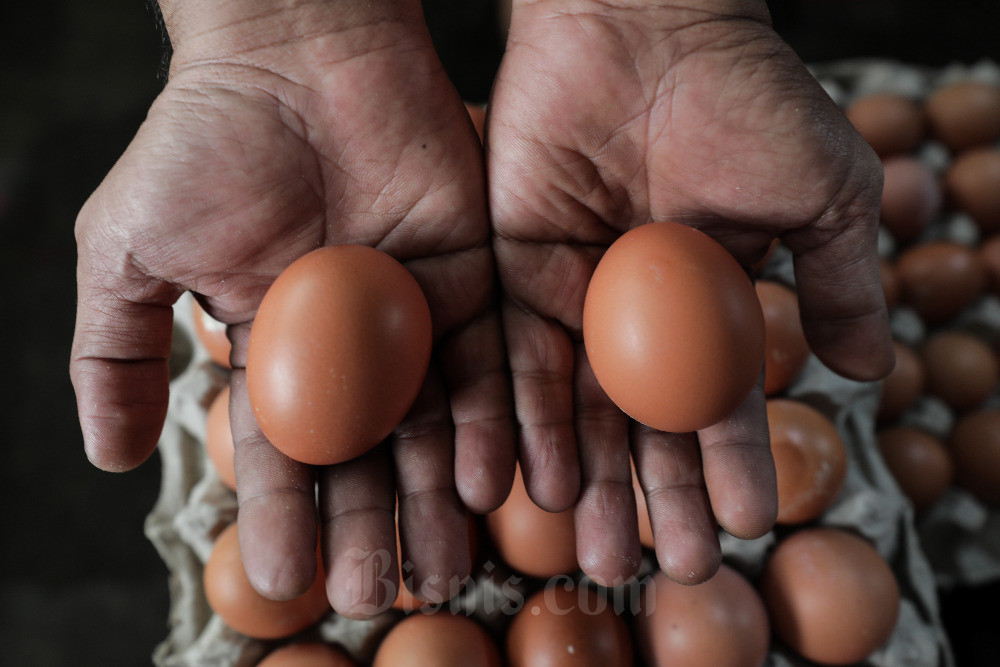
column 939, row 417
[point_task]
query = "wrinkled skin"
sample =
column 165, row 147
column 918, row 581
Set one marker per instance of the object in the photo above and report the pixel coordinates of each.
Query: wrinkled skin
column 603, row 119
column 238, row 170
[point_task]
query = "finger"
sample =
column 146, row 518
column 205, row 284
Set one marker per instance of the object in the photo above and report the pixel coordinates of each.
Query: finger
column 668, row 466
column 357, row 505
column 277, row 505
column 118, row 364
column 607, row 529
column 433, row 523
column 843, row 309
column 475, row 370
column 541, row 364
column 739, row 470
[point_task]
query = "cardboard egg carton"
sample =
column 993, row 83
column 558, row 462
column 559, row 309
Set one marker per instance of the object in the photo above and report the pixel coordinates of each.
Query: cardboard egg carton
column 957, row 542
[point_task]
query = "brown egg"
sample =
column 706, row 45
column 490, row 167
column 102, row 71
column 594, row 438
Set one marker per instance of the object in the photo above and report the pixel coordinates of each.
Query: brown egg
column 438, row 639
column 531, row 540
column 574, row 626
column 212, row 335
column 338, row 351
column 962, row 370
column 243, row 609
column 673, row 328
column 989, row 251
column 919, row 462
column 973, row 185
column 830, row 596
column 645, row 527
column 904, row 384
column 975, row 449
column 785, row 347
column 307, row 654
column 721, row 622
column 940, row 279
column 964, row 114
column 219, row 439
column 809, row 459
column 890, row 123
column 477, row 112
column 911, row 197
column 890, row 282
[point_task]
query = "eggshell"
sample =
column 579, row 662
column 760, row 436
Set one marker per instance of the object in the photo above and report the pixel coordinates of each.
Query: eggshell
column 962, row 370
column 307, row 654
column 890, row 282
column 437, row 639
column 919, row 462
column 673, row 328
column 785, row 348
column 830, row 596
column 940, row 279
column 219, row 439
column 904, row 385
column 890, row 123
column 911, row 197
column 973, row 185
column 809, row 459
column 989, row 252
column 243, row 609
column 721, row 622
column 645, row 527
column 975, row 449
column 477, row 112
column 531, row 540
column 338, row 351
column 212, row 335
column 568, row 625
column 964, row 114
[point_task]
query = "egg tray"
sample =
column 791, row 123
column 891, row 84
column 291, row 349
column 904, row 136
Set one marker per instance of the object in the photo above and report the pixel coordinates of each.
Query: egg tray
column 959, row 535
column 957, row 541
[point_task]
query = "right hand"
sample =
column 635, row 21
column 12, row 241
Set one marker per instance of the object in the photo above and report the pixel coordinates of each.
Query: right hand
column 282, row 130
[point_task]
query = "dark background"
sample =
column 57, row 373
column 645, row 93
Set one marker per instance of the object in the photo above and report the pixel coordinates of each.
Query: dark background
column 79, row 583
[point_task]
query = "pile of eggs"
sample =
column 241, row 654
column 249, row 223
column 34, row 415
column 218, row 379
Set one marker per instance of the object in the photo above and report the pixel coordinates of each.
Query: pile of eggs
column 939, row 422
column 815, row 590
column 542, row 609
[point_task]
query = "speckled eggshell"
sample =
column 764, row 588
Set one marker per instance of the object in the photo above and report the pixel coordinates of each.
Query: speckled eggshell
column 568, row 625
column 919, row 462
column 830, row 596
column 890, row 123
column 231, row 596
column 338, row 351
column 438, row 639
column 673, row 328
column 964, row 114
column 721, row 622
column 809, row 459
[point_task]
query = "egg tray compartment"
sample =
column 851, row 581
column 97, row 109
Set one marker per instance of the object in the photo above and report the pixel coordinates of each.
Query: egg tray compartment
column 959, row 535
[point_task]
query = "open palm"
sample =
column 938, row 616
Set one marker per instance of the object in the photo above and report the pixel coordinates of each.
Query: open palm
column 242, row 166
column 606, row 119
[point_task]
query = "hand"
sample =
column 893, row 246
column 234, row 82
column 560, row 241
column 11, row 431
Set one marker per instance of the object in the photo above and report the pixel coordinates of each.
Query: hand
column 282, row 130
column 610, row 114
